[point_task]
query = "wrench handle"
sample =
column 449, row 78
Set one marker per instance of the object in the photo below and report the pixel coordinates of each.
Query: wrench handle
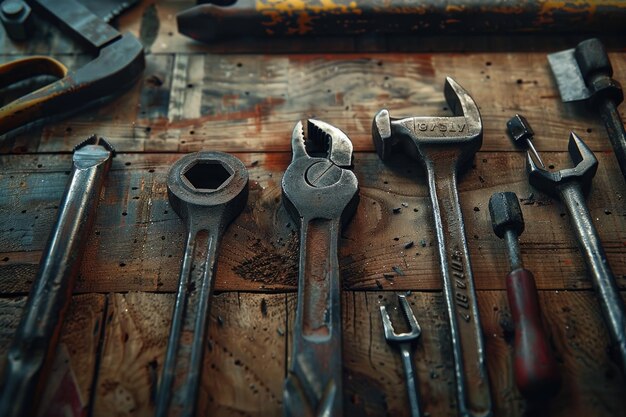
column 411, row 379
column 611, row 303
column 472, row 383
column 314, row 384
column 182, row 368
column 35, row 341
column 536, row 373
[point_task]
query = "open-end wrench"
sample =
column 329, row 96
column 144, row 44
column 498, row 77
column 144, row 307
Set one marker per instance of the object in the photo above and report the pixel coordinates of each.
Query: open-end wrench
column 34, row 345
column 405, row 341
column 207, row 190
column 444, row 145
column 321, row 195
column 570, row 185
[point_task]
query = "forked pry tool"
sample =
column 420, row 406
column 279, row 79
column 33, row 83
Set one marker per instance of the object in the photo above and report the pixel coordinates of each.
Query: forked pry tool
column 404, row 342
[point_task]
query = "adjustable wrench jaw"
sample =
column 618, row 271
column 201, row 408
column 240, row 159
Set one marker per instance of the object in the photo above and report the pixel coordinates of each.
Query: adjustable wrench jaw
column 415, row 135
column 582, row 173
column 320, row 188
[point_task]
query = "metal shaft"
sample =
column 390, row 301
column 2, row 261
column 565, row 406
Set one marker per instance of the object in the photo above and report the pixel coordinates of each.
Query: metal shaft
column 180, row 381
column 35, row 341
column 314, row 384
column 411, row 382
column 611, row 303
column 473, row 395
column 512, row 245
column 615, row 128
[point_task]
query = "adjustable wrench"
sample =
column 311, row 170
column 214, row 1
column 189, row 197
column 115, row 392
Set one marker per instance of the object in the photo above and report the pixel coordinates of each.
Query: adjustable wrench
column 207, row 190
column 36, row 338
column 570, row 186
column 443, row 145
column 321, row 195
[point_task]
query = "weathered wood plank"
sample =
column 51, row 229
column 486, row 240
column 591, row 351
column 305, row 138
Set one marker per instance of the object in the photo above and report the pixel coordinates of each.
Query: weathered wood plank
column 71, row 376
column 246, row 103
column 135, row 337
column 245, row 361
column 137, row 240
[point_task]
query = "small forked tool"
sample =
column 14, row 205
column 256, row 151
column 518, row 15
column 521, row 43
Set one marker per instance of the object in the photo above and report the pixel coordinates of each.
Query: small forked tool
column 404, row 341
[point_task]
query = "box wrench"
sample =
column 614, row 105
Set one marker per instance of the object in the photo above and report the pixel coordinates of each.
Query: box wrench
column 570, row 185
column 207, row 190
column 35, row 341
column 443, row 145
column 320, row 195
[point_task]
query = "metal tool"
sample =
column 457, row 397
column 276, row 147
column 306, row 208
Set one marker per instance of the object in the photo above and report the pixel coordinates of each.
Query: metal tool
column 118, row 64
column 570, row 186
column 522, row 134
column 34, row 344
column 227, row 19
column 405, row 341
column 207, row 190
column 536, row 373
column 321, row 195
column 444, row 145
column 584, row 74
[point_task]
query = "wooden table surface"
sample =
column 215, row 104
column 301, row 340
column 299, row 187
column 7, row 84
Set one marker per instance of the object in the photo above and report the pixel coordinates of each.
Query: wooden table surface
column 244, row 98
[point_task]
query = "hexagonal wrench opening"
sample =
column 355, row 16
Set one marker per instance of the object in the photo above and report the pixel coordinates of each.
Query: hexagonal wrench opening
column 207, row 175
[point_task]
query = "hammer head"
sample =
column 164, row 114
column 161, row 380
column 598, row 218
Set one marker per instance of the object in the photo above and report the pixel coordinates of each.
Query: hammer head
column 463, row 129
column 582, row 173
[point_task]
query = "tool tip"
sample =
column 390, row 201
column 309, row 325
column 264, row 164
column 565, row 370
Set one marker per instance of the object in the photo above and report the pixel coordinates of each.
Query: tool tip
column 98, row 141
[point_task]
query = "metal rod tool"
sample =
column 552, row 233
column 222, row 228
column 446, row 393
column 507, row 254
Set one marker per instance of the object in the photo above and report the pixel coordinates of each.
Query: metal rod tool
column 404, row 342
column 35, row 341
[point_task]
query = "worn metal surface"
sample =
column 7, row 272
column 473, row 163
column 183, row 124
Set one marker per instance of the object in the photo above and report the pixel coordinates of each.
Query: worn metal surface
column 584, row 74
column 35, row 340
column 277, row 18
column 207, row 190
column 570, row 186
column 444, row 145
column 118, row 64
column 536, row 372
column 321, row 195
column 404, row 341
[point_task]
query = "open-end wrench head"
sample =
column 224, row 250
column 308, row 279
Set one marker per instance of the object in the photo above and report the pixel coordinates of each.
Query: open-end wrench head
column 463, row 128
column 208, row 179
column 585, row 167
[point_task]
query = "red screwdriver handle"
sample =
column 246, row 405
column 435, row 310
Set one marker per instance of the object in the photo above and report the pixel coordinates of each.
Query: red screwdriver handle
column 536, row 373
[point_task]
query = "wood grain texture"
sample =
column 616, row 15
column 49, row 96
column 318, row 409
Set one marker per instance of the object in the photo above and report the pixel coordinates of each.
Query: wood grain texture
column 77, row 350
column 245, row 103
column 137, row 239
column 245, row 361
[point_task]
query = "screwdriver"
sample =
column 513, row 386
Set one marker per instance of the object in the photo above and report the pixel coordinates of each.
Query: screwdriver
column 535, row 370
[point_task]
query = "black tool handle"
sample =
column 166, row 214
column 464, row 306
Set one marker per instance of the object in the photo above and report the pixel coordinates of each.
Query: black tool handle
column 536, row 373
